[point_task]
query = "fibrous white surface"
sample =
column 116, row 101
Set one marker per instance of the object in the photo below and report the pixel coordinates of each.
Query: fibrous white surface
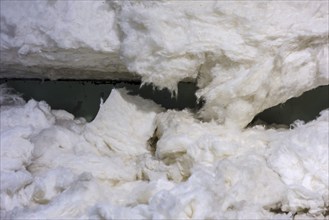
column 245, row 56
column 55, row 166
column 137, row 160
column 78, row 38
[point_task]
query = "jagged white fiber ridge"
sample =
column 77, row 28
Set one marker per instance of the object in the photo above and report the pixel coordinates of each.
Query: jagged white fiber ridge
column 54, row 166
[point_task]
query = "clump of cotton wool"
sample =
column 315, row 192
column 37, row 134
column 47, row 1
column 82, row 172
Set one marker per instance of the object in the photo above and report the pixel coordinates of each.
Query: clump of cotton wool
column 244, row 56
column 62, row 167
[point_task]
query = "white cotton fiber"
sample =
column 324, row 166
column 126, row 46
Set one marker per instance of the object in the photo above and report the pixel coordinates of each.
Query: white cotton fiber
column 65, row 35
column 110, row 168
column 136, row 160
column 129, row 137
column 245, row 56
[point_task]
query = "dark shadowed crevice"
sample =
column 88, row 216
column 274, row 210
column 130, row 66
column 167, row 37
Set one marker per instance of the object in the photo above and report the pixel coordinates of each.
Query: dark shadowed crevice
column 152, row 142
column 305, row 107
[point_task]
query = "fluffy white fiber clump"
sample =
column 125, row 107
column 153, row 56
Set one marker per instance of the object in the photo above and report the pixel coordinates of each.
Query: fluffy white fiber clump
column 54, row 166
column 245, row 56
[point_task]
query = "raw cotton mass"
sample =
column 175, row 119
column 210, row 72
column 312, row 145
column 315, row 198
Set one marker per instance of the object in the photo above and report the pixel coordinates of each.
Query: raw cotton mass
column 137, row 160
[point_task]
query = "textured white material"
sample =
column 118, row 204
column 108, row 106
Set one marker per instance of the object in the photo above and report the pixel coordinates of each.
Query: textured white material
column 54, row 166
column 75, row 22
column 129, row 137
column 246, row 56
column 59, row 34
